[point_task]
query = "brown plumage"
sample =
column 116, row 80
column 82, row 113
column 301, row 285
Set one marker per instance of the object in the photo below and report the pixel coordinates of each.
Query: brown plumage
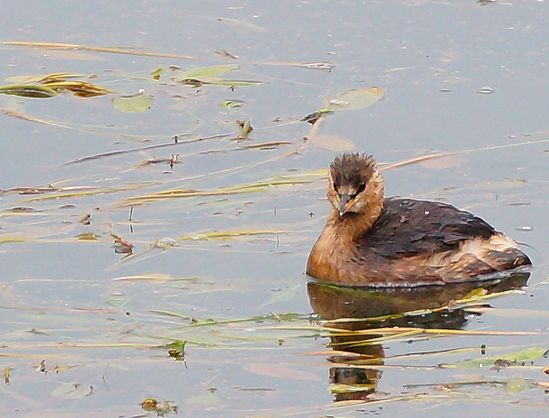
column 370, row 240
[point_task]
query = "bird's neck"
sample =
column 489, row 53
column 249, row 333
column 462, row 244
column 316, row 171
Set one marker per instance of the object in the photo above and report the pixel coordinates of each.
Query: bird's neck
column 350, row 226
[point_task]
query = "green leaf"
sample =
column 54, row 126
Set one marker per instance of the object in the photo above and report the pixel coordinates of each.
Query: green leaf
column 87, row 236
column 341, row 388
column 136, row 103
column 156, row 73
column 357, row 98
column 206, row 72
column 515, row 385
column 517, row 357
column 232, row 104
column 236, row 83
column 39, row 92
column 178, row 345
column 176, row 349
column 227, row 235
column 313, row 117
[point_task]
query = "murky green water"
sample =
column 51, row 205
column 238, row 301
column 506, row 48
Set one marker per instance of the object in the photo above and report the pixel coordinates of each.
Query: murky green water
column 84, row 327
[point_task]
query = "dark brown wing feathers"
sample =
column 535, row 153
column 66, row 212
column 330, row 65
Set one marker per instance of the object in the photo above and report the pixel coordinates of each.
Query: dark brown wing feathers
column 411, row 227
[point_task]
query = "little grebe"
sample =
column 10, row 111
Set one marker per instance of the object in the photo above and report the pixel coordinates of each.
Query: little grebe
column 370, row 240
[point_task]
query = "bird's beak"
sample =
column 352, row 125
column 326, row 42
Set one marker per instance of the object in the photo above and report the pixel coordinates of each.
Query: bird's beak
column 343, row 200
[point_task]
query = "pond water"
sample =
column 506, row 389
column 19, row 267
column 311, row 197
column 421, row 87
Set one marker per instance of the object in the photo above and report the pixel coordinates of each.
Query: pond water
column 108, row 260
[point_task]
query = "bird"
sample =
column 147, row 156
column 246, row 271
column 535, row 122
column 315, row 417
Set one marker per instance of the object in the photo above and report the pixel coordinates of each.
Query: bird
column 370, row 240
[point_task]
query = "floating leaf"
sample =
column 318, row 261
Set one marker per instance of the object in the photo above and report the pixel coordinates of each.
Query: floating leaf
column 37, row 78
column 24, row 90
column 344, row 388
column 74, row 47
column 516, row 385
column 211, row 75
column 528, row 354
column 322, row 66
column 78, row 88
column 242, row 24
column 49, row 85
column 237, row 83
column 176, row 349
column 6, row 374
column 315, row 116
column 152, row 277
column 357, row 98
column 260, row 186
column 72, row 391
column 156, row 73
column 87, row 236
column 335, row 143
column 268, row 145
column 9, row 239
column 246, row 128
column 232, row 104
column 226, row 235
column 29, row 118
column 135, row 103
column 202, row 73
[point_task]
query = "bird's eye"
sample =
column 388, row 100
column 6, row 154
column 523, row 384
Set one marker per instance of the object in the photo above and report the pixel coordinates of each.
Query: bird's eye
column 361, row 187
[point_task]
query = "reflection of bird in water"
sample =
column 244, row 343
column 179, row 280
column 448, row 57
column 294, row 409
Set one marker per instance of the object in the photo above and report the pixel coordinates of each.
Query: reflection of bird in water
column 354, row 374
column 372, row 241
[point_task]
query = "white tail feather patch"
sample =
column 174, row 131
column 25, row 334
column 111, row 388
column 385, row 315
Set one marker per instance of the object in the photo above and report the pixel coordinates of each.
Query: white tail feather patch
column 478, row 247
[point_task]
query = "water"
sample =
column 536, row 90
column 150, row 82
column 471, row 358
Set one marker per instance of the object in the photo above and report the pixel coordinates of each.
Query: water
column 98, row 319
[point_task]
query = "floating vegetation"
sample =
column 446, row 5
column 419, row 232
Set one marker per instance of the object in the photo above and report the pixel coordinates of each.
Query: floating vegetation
column 135, row 103
column 52, row 84
column 77, row 47
column 83, row 191
column 161, row 408
column 232, row 104
column 517, row 358
column 356, row 99
column 99, row 281
column 260, row 186
column 29, row 118
column 200, row 76
column 176, row 141
column 312, row 118
column 38, row 92
column 227, row 235
column 245, row 129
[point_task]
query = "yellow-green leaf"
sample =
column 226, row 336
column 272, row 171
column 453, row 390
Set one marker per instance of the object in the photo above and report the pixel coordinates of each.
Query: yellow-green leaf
column 39, row 92
column 232, row 104
column 357, row 98
column 206, row 72
column 515, row 385
column 156, row 73
column 136, row 103
column 517, row 357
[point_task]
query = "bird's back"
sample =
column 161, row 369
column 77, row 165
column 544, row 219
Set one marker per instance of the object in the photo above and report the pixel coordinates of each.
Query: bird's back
column 408, row 227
